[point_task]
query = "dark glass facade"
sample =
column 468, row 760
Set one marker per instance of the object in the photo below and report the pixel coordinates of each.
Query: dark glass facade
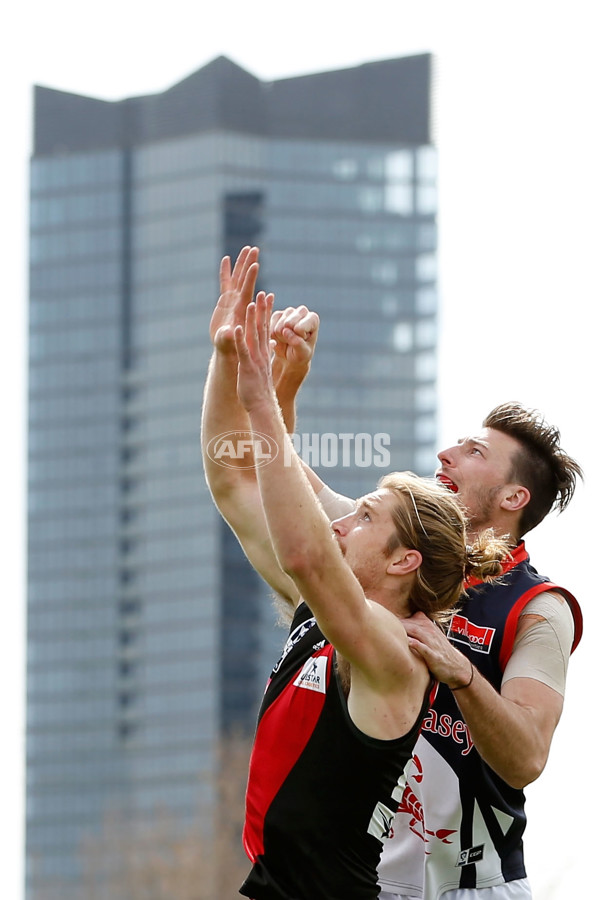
column 148, row 635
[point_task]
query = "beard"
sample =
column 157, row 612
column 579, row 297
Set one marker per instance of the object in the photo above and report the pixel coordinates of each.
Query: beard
column 369, row 571
column 482, row 507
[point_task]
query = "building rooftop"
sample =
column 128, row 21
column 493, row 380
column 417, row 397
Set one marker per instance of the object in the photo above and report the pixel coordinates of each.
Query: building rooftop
column 388, row 100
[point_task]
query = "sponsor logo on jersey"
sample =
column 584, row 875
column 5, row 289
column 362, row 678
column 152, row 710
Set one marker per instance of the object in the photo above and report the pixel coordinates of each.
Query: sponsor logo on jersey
column 473, row 855
column 313, row 676
column 411, row 806
column 380, row 825
column 293, row 639
column 447, row 727
column 477, row 637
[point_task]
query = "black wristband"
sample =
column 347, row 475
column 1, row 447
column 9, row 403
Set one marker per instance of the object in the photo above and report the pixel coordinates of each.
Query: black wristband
column 469, row 682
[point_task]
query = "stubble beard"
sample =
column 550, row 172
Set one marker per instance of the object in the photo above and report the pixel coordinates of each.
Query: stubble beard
column 482, row 510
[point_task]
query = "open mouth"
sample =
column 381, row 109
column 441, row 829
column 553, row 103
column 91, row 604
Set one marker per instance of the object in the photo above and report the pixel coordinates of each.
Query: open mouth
column 448, row 483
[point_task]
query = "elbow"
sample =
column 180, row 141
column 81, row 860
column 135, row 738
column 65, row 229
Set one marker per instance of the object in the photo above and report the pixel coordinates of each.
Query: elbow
column 300, row 561
column 221, row 488
column 295, row 563
column 230, row 496
column 519, row 784
column 533, row 773
column 224, row 481
column 526, row 773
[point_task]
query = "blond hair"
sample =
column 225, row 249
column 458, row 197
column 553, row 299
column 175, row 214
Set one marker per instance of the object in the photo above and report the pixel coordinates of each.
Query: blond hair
column 430, row 519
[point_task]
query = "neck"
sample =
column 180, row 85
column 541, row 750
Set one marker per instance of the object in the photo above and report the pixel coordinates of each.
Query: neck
column 397, row 603
column 502, row 526
column 500, row 529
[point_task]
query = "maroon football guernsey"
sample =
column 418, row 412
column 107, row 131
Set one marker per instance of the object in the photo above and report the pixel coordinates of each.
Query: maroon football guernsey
column 459, row 824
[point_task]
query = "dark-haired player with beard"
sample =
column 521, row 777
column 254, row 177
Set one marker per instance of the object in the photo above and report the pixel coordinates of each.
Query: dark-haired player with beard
column 458, row 833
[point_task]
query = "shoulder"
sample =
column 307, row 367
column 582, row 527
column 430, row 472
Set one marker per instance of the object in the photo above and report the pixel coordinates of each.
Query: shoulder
column 550, row 605
column 551, row 609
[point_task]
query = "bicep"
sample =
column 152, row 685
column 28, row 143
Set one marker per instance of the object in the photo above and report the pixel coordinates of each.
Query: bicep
column 543, row 645
column 535, row 674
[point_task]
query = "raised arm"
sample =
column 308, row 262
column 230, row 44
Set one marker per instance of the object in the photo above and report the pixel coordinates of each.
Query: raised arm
column 368, row 635
column 294, row 331
column 233, row 486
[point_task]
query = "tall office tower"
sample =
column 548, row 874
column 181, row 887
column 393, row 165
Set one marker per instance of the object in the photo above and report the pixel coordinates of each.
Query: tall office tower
column 148, row 636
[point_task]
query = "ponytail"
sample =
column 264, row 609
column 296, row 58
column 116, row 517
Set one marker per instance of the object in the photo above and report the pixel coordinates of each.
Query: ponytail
column 485, row 555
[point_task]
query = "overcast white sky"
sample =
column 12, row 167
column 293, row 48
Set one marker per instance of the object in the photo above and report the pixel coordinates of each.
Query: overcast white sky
column 519, row 144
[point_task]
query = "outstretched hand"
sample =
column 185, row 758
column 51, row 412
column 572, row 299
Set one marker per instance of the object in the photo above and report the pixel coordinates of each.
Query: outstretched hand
column 237, row 291
column 294, row 331
column 253, row 346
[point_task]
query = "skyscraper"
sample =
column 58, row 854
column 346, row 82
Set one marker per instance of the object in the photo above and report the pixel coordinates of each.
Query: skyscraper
column 148, row 636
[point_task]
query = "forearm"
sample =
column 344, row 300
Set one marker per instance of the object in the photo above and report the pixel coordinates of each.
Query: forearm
column 300, row 533
column 511, row 736
column 511, row 730
column 294, row 331
column 221, row 413
column 235, row 489
column 296, row 521
column 302, row 539
column 288, row 381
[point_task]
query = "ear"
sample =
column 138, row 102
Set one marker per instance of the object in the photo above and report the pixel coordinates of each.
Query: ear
column 516, row 497
column 404, row 562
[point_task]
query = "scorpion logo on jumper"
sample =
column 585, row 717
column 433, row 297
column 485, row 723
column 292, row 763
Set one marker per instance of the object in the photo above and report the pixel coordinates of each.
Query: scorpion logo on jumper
column 412, row 806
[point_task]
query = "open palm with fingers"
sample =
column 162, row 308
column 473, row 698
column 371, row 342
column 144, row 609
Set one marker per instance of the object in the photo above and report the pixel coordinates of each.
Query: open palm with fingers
column 237, row 291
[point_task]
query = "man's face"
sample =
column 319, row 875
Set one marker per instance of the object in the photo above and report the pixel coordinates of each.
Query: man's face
column 363, row 536
column 478, row 468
